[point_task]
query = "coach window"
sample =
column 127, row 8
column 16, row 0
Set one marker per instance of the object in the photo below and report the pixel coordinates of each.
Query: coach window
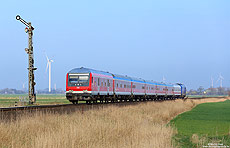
column 105, row 83
column 92, row 79
column 124, row 86
column 117, row 85
column 102, row 84
column 98, row 82
column 120, row 85
column 108, row 83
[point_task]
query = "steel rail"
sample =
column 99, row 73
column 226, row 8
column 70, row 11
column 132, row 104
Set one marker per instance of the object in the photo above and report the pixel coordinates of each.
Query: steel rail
column 34, row 107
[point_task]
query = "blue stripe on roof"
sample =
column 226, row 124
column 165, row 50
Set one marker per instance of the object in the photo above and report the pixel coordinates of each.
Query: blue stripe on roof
column 155, row 83
column 138, row 81
column 122, row 79
column 87, row 70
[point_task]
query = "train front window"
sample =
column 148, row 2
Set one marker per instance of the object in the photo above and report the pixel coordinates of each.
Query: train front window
column 78, row 80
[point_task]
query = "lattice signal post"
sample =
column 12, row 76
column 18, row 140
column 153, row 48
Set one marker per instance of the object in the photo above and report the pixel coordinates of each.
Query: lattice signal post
column 29, row 29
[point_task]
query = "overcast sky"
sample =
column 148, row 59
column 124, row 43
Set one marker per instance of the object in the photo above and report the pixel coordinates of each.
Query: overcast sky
column 184, row 41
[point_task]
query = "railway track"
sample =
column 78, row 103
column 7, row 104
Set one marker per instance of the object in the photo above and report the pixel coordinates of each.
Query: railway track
column 53, row 107
column 15, row 113
column 36, row 107
column 17, row 108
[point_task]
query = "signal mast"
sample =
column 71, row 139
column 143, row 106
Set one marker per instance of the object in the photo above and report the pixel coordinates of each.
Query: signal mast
column 29, row 29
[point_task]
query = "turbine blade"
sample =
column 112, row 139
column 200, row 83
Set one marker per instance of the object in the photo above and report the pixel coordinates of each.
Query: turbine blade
column 218, row 80
column 46, row 55
column 47, row 58
column 47, row 66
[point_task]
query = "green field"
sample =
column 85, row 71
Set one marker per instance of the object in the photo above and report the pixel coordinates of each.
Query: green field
column 9, row 100
column 206, row 123
column 205, row 96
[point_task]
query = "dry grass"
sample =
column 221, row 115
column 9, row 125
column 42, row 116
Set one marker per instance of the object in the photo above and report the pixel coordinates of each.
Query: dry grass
column 142, row 125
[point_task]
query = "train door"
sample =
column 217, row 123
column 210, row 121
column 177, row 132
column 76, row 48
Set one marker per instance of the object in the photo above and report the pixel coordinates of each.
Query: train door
column 98, row 86
column 165, row 88
column 94, row 89
column 92, row 83
column 131, row 89
column 108, row 85
column 116, row 86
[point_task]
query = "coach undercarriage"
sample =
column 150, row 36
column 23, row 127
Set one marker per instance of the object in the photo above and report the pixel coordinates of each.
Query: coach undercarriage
column 75, row 98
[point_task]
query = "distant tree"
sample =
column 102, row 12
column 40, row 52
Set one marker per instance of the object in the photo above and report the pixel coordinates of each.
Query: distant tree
column 192, row 92
column 221, row 91
column 200, row 90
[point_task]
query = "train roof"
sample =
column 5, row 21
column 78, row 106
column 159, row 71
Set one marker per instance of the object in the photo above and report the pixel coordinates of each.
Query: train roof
column 121, row 77
column 158, row 83
column 88, row 70
column 138, row 80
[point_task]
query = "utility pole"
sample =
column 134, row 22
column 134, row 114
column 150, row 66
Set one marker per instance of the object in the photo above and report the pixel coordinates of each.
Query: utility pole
column 31, row 68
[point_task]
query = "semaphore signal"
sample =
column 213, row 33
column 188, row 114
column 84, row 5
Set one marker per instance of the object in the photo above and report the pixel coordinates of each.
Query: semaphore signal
column 29, row 29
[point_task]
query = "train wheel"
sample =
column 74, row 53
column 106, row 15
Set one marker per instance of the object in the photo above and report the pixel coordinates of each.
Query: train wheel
column 88, row 102
column 74, row 102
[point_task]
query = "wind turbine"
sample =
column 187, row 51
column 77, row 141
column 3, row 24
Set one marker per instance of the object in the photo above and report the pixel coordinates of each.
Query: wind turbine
column 221, row 78
column 23, row 86
column 163, row 79
column 49, row 61
column 55, row 87
column 211, row 82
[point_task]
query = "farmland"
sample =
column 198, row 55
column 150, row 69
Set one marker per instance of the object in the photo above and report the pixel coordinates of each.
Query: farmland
column 206, row 123
column 9, row 100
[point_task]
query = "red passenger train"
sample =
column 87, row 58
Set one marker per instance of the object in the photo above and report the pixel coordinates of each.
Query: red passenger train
column 84, row 84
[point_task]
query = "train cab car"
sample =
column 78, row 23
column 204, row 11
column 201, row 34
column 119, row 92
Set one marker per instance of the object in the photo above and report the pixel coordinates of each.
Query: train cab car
column 84, row 84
